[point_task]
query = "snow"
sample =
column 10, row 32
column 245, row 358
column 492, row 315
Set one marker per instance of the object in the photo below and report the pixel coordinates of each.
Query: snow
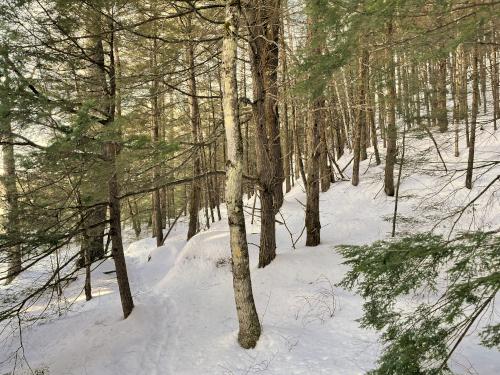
column 184, row 322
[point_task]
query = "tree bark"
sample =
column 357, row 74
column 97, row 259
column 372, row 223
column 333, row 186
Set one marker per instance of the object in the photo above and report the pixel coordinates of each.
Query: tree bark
column 194, row 113
column 474, row 113
column 359, row 143
column 249, row 325
column 390, row 158
column 265, row 122
column 441, row 108
column 8, row 179
column 155, row 137
column 313, row 225
column 110, row 151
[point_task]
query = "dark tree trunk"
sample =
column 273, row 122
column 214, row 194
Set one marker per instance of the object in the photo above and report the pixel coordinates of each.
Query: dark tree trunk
column 194, row 113
column 263, row 56
column 474, row 113
column 390, row 158
column 155, row 135
column 313, row 225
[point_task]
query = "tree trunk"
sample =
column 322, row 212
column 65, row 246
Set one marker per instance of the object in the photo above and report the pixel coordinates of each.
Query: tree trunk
column 464, row 106
column 474, row 110
column 325, row 171
column 263, row 113
column 115, row 231
column 359, row 143
column 371, row 120
column 441, row 108
column 390, row 158
column 272, row 19
column 313, row 225
column 111, row 150
column 11, row 207
column 155, row 137
column 495, row 86
column 287, row 165
column 194, row 113
column 249, row 325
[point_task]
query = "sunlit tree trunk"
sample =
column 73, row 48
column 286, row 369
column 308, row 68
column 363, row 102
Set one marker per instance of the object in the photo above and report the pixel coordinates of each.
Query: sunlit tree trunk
column 8, row 179
column 249, row 325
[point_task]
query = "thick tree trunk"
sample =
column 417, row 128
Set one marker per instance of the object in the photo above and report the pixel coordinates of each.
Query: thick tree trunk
column 272, row 19
column 249, row 325
column 11, row 206
column 265, row 120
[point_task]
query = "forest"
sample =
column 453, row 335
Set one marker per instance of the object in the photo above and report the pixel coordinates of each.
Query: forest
column 237, row 187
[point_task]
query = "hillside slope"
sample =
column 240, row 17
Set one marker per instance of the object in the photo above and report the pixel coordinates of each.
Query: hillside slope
column 184, row 322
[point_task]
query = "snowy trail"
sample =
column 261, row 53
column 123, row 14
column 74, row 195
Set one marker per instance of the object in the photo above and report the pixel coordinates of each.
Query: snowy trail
column 184, row 322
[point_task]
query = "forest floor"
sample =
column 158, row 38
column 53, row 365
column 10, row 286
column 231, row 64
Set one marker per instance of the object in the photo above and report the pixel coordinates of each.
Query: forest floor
column 184, row 322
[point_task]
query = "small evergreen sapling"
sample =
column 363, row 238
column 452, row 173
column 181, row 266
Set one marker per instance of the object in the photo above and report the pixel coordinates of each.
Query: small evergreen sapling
column 459, row 278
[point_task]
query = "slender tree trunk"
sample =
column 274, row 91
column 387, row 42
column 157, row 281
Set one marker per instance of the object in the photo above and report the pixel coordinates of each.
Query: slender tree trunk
column 155, row 135
column 134, row 216
column 360, row 130
column 370, row 109
column 400, row 173
column 464, row 106
column 115, row 231
column 88, row 275
column 325, row 171
column 482, row 75
column 194, row 113
column 111, row 150
column 456, row 101
column 313, row 225
column 286, row 128
column 316, row 146
column 495, row 86
column 475, row 111
column 441, row 108
column 249, row 325
column 390, row 158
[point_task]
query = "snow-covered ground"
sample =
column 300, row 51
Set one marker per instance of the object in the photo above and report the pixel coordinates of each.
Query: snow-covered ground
column 184, row 322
